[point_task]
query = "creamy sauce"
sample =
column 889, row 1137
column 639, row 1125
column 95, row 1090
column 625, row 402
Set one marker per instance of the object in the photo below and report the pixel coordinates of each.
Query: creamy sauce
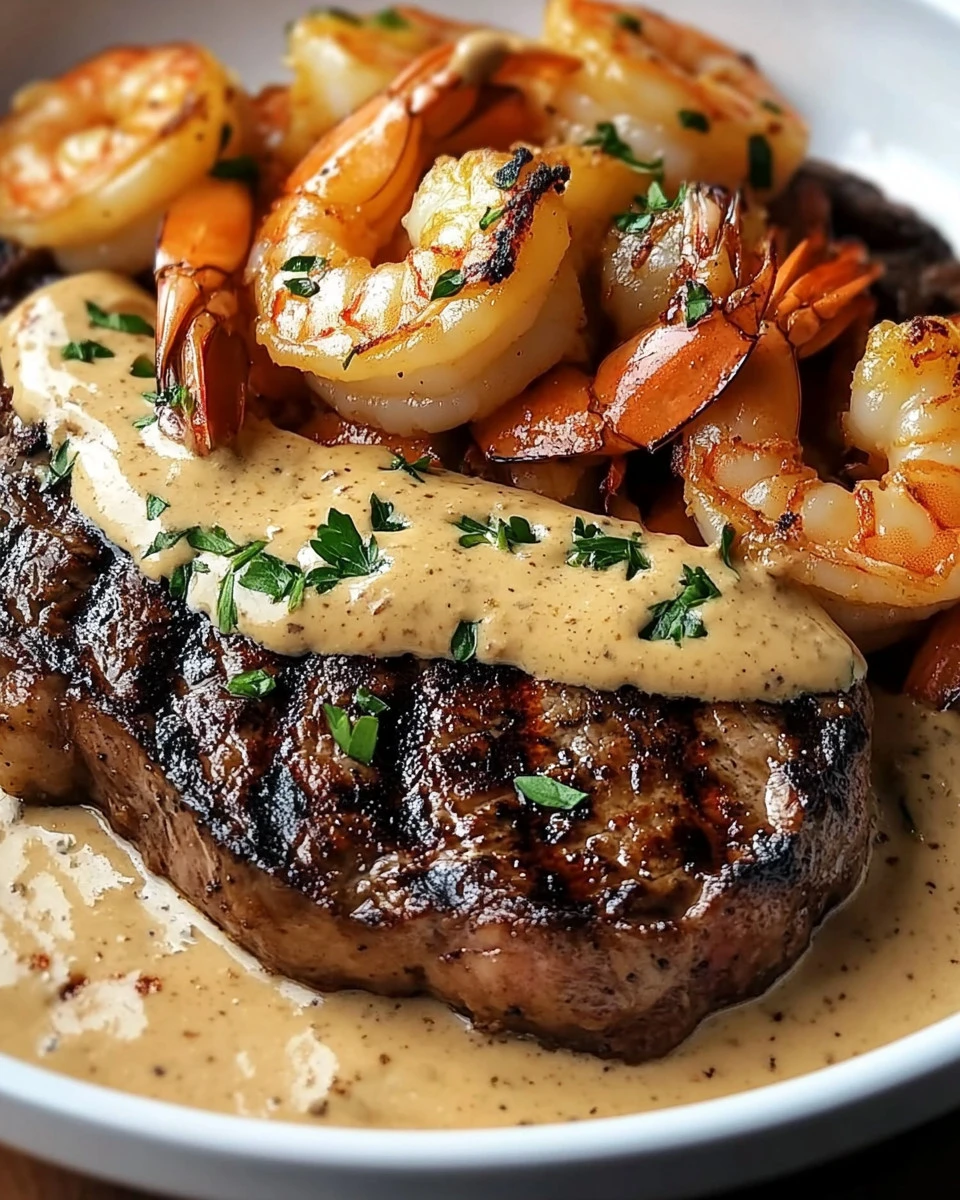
column 106, row 975
column 536, row 612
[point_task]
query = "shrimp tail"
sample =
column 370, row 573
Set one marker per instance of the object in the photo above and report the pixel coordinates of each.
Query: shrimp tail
column 202, row 357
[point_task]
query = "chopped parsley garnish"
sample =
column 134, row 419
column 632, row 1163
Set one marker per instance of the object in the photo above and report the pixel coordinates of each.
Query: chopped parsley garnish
column 212, row 541
column 726, row 545
column 772, row 106
column 389, row 18
column 301, row 266
column 85, row 351
column 156, row 505
column 416, row 470
column 697, row 302
column 548, row 792
column 629, row 22
column 357, row 739
column 504, row 534
column 382, row 519
column 368, row 703
column 61, row 465
column 601, row 551
column 243, row 169
column 182, row 575
column 347, row 555
column 177, row 397
column 678, row 618
column 509, row 173
column 490, row 216
column 142, row 367
column 166, row 539
column 252, row 684
column 760, row 160
column 463, row 644
column 610, row 142
column 450, row 283
column 120, row 322
column 690, row 118
column 640, row 217
column 226, row 603
column 144, row 422
column 273, row 577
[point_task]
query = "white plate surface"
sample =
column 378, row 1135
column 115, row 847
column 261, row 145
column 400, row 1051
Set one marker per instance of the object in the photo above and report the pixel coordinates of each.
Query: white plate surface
column 877, row 80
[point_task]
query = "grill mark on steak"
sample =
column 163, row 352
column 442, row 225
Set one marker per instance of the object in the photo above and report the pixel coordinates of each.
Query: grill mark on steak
column 714, row 838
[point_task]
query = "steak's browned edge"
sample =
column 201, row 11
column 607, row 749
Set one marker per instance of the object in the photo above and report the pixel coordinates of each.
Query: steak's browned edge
column 714, row 839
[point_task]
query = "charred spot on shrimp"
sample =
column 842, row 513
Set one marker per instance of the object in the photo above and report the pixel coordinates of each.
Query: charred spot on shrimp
column 509, row 174
column 515, row 221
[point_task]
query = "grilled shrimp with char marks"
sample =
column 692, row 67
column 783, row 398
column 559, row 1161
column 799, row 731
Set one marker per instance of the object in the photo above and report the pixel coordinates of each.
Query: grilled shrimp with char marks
column 671, row 91
column 484, row 301
column 883, row 554
column 89, row 161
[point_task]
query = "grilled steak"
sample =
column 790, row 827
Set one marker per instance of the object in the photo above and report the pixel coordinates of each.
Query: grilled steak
column 714, row 839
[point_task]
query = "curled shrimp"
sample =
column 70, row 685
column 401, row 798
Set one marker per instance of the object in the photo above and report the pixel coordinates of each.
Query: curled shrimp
column 90, row 161
column 665, row 90
column 879, row 555
column 484, row 300
column 202, row 352
column 688, row 301
column 341, row 59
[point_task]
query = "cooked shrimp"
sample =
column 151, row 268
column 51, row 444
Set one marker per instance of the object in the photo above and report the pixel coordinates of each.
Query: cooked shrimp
column 202, row 353
column 662, row 89
column 340, row 60
column 883, row 553
column 89, row 161
column 486, row 298
column 687, row 300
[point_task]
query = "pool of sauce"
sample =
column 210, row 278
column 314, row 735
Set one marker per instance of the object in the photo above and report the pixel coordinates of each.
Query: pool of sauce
column 106, row 975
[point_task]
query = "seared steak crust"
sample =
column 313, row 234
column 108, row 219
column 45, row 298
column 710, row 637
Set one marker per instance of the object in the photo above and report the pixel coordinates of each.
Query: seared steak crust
column 714, row 839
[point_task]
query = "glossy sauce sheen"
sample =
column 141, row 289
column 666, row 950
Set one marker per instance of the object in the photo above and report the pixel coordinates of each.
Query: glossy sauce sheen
column 108, row 976
column 536, row 612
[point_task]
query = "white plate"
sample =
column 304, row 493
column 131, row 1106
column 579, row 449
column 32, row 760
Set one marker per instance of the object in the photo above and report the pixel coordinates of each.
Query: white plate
column 877, row 80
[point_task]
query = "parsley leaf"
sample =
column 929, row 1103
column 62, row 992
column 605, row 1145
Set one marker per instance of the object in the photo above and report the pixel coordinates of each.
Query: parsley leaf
column 120, row 322
column 548, row 792
column 302, row 285
column 243, row 168
column 226, row 603
column 302, row 265
column 155, row 506
column 252, row 684
column 142, row 367
column 183, row 574
column 382, row 519
column 610, row 142
column 340, row 545
column 272, row 577
column 690, row 118
column 490, row 216
column 416, row 470
column 367, row 702
column 165, row 540
column 177, row 397
column 389, row 18
column 640, row 216
column 509, row 173
column 697, row 302
column 357, row 739
column 678, row 618
column 450, row 283
column 600, row 551
column 212, row 541
column 61, row 466
column 629, row 22
column 144, row 422
column 760, row 160
column 463, row 644
column 85, row 351
column 726, row 545
column 772, row 106
column 505, row 535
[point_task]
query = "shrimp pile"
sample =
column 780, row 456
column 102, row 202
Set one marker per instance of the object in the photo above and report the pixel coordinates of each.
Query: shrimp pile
column 551, row 263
